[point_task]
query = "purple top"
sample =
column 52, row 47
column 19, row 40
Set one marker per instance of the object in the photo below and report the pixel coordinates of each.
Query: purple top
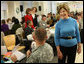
column 4, row 27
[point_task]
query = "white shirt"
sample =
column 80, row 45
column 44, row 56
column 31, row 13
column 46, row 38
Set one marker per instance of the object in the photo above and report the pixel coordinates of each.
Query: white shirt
column 10, row 24
column 33, row 15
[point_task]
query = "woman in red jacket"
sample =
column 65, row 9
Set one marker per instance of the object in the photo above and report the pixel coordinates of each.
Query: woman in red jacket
column 29, row 17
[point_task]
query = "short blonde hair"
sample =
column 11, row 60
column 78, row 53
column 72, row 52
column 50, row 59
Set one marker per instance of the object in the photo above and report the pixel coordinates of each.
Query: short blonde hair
column 65, row 6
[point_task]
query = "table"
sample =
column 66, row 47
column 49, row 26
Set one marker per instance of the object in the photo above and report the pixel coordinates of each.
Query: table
column 22, row 61
column 50, row 32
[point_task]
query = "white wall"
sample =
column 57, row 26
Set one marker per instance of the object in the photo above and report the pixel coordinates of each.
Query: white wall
column 54, row 7
column 49, row 6
column 12, row 6
column 26, row 4
column 10, row 9
column 76, row 6
column 17, row 5
column 46, row 7
column 4, row 7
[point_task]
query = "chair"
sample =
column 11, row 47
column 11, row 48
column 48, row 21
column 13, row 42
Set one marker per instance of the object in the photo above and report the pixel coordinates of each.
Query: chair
column 2, row 41
column 10, row 42
column 19, row 31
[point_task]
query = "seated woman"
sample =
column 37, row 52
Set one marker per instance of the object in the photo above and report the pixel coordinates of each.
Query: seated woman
column 15, row 26
column 4, row 27
column 10, row 23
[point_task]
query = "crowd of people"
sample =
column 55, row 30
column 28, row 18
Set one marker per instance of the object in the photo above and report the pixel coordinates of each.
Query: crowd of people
column 33, row 23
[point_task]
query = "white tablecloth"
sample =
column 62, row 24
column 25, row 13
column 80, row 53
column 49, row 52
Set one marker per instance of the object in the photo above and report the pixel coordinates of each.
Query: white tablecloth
column 50, row 32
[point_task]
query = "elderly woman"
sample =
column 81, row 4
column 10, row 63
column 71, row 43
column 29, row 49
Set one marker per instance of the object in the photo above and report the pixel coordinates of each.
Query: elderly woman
column 4, row 27
column 67, row 36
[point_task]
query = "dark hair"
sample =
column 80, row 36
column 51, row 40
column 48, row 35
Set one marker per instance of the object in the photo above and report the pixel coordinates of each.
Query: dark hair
column 40, row 34
column 49, row 13
column 43, row 16
column 13, row 19
column 3, row 21
column 23, row 20
column 16, row 21
column 53, row 14
column 65, row 6
column 28, row 10
column 35, row 8
column 79, row 14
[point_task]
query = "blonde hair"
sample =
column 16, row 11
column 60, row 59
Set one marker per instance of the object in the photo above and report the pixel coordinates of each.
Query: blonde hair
column 65, row 6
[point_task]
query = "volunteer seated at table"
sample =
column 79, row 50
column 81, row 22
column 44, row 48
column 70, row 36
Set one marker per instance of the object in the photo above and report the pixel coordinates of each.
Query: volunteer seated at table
column 43, row 23
column 67, row 36
column 43, row 53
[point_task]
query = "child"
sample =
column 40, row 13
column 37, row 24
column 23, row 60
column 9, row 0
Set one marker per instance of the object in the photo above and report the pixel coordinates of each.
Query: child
column 28, row 29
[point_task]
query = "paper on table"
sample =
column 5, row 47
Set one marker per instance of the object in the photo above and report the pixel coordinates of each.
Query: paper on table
column 19, row 55
column 29, row 37
column 15, row 48
column 8, row 54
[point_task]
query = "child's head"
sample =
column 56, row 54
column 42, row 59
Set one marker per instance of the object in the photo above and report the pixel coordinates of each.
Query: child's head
column 29, row 23
column 43, row 17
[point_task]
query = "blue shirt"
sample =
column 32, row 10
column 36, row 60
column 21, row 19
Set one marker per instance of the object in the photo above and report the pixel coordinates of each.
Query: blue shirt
column 65, row 28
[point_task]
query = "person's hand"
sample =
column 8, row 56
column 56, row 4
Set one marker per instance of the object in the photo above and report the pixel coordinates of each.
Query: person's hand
column 59, row 54
column 35, row 27
column 13, row 58
column 79, row 49
column 28, row 53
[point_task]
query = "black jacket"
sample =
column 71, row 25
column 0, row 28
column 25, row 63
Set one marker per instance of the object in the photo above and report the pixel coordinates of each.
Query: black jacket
column 35, row 21
column 28, row 31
